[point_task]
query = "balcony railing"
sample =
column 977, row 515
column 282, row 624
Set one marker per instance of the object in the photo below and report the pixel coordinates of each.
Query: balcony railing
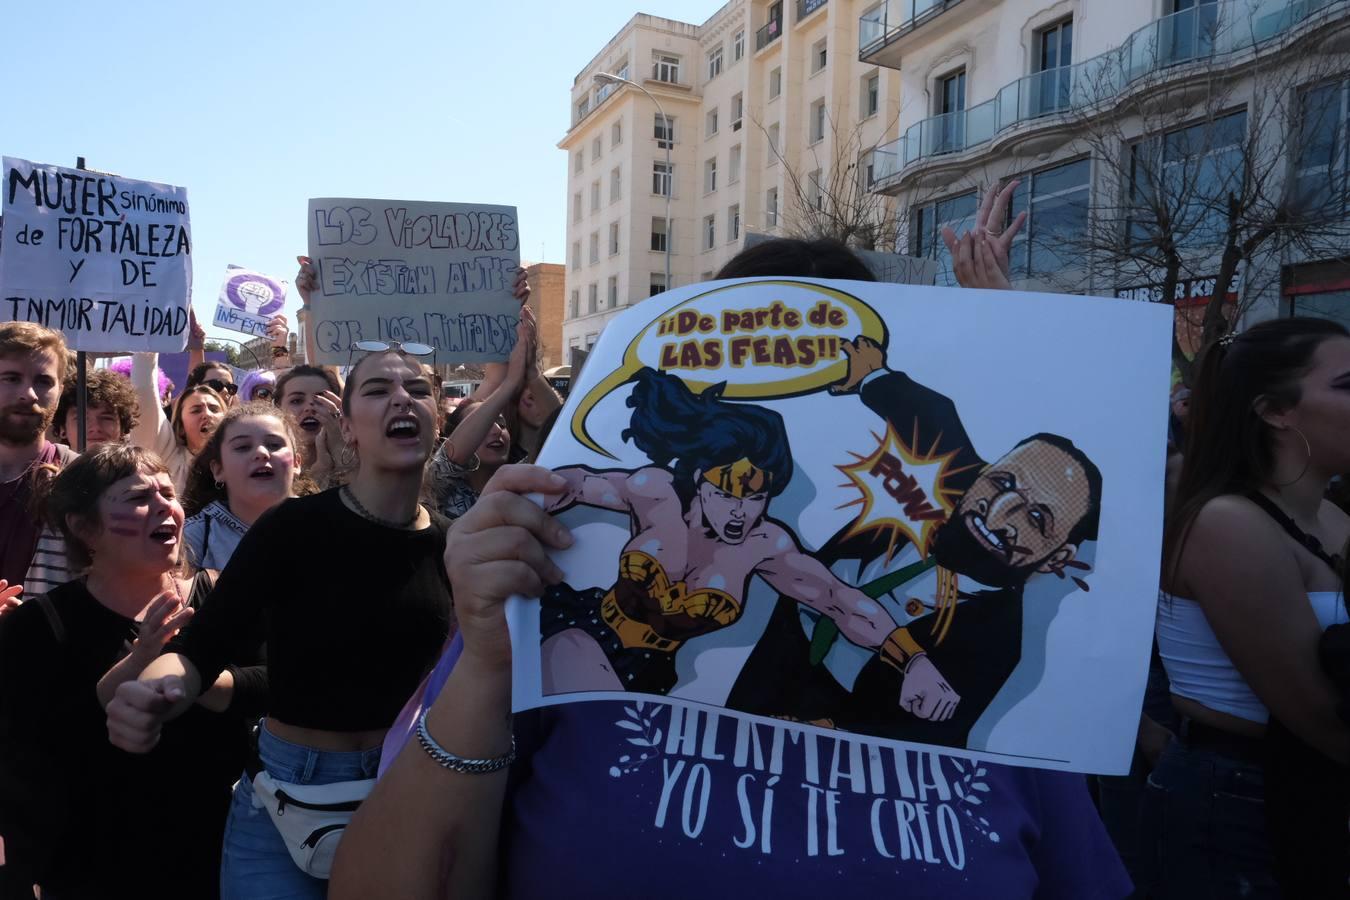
column 806, row 7
column 896, row 17
column 768, row 34
column 1201, row 32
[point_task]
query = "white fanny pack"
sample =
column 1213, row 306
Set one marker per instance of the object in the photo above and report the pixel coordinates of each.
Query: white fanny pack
column 311, row 817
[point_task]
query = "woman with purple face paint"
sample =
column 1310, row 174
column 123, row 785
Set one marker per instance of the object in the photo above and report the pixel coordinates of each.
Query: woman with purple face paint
column 74, row 810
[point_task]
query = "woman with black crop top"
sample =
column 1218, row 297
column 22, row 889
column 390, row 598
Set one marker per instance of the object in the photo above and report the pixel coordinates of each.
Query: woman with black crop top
column 348, row 592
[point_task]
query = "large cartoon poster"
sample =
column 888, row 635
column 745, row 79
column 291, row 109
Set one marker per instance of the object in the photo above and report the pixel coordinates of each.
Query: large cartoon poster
column 924, row 515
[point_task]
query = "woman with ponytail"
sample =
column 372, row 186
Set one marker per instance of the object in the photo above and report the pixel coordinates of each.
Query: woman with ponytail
column 1250, row 581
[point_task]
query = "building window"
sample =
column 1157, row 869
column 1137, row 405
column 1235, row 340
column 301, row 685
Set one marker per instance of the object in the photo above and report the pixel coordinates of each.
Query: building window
column 738, row 46
column 771, row 208
column 583, row 107
column 818, row 55
column 775, row 81
column 1056, row 202
column 621, row 71
column 715, row 62
column 711, row 123
column 616, row 134
column 734, row 223
column 596, row 149
column 590, row 342
column 818, row 120
column 660, row 239
column 576, row 207
column 578, row 162
column 663, row 130
column 734, row 165
column 574, row 305
column 612, row 291
column 666, row 67
column 592, row 304
column 710, row 176
column 657, row 284
column 868, row 167
column 815, row 193
column 595, row 247
column 663, row 177
column 737, row 111
column 613, row 238
column 1050, row 88
column 871, row 98
column 773, row 144
column 1322, row 167
column 615, row 184
column 595, row 195
column 576, row 255
column 1190, row 169
column 926, row 232
column 709, row 232
column 950, row 133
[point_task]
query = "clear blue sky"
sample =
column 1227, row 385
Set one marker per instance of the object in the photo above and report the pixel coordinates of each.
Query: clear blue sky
column 257, row 105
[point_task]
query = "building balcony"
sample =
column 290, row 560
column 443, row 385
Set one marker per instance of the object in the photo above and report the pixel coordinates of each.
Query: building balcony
column 887, row 31
column 1199, row 34
column 771, row 32
column 806, row 7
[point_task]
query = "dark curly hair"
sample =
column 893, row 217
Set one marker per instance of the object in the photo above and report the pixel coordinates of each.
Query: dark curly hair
column 103, row 388
column 702, row 431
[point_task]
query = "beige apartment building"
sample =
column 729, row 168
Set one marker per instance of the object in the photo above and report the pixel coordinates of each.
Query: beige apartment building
column 758, row 98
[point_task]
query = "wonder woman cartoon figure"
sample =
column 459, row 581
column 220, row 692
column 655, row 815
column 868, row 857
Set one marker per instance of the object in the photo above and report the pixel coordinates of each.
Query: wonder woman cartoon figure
column 700, row 532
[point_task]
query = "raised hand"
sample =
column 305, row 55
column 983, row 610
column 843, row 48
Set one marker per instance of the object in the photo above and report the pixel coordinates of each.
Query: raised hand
column 196, row 333
column 865, row 356
column 925, row 693
column 9, row 596
column 278, row 327
column 980, row 256
column 521, row 287
column 497, row 550
column 306, row 280
column 139, row 709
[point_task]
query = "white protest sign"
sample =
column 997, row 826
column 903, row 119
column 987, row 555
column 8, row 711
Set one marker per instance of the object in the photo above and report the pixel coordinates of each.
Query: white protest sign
column 414, row 271
column 105, row 259
column 248, row 300
column 965, row 557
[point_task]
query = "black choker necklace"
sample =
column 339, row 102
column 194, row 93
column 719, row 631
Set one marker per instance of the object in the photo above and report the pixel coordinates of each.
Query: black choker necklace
column 371, row 517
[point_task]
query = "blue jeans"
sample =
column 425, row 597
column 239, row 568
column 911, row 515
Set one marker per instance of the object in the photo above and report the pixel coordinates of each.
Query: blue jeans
column 1205, row 821
column 255, row 864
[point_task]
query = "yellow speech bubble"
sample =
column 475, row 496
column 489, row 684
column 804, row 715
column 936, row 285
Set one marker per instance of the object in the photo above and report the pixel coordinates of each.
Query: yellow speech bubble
column 764, row 339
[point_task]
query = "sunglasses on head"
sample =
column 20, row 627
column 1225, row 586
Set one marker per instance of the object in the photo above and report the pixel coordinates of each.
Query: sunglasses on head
column 408, row 349
column 222, row 387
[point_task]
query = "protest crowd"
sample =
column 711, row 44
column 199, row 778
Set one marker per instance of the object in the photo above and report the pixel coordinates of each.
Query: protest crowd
column 253, row 645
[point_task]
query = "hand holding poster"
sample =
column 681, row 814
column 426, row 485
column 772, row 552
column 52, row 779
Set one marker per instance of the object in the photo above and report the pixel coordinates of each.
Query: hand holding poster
column 105, row 259
column 248, row 300
column 966, row 557
column 432, row 273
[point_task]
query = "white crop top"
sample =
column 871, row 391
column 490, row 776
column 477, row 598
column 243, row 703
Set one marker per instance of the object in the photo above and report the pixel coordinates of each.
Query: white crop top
column 1200, row 670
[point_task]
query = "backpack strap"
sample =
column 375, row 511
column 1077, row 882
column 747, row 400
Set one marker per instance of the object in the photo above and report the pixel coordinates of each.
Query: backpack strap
column 53, row 617
column 1309, row 543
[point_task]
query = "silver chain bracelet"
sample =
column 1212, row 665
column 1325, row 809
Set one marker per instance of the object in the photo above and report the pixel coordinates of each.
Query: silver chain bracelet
column 447, row 760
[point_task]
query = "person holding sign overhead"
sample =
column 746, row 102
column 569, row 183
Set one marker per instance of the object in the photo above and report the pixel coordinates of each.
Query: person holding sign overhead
column 695, row 802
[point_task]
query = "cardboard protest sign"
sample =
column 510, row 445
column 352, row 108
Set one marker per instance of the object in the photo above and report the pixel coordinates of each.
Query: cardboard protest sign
column 893, row 512
column 248, row 300
column 433, row 273
column 105, row 259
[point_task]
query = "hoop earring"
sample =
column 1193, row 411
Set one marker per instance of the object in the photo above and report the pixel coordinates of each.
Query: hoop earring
column 347, row 456
column 1306, row 462
column 220, row 485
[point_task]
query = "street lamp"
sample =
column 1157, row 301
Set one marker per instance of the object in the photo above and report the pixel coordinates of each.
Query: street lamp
column 606, row 78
